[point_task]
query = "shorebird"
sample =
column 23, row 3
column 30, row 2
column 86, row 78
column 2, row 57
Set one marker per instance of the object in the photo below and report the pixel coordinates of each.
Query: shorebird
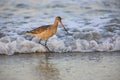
column 47, row 31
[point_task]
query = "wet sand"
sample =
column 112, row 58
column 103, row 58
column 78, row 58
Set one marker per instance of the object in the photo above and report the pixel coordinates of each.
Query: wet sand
column 61, row 66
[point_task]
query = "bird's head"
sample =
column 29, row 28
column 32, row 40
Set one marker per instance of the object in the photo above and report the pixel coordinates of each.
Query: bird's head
column 58, row 19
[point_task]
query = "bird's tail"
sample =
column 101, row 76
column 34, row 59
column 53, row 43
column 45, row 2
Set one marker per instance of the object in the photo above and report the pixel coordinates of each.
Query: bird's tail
column 28, row 32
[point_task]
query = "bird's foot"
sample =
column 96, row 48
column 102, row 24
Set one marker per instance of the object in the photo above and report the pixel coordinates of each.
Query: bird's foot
column 48, row 49
column 45, row 46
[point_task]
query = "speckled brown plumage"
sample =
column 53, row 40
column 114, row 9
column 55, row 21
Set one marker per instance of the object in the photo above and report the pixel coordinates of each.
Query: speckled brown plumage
column 46, row 31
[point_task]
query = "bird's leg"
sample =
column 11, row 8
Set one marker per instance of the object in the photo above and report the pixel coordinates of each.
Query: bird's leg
column 40, row 42
column 46, row 45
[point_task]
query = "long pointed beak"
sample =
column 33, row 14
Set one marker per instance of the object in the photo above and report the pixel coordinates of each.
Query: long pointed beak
column 63, row 27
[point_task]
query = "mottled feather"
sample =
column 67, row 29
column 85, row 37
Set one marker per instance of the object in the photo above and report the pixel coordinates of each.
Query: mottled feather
column 39, row 29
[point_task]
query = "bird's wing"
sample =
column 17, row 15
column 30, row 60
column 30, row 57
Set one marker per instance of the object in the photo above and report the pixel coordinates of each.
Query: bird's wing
column 39, row 29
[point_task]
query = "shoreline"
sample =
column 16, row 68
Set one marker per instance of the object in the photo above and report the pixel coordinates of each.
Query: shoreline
column 60, row 66
column 112, row 52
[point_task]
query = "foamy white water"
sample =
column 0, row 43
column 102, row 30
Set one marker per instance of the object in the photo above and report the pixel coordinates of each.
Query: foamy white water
column 94, row 25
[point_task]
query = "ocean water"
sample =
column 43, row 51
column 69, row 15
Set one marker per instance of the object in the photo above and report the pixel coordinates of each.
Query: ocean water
column 93, row 25
column 72, row 66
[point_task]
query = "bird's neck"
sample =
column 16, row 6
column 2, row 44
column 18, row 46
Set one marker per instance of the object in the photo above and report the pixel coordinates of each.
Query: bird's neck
column 55, row 23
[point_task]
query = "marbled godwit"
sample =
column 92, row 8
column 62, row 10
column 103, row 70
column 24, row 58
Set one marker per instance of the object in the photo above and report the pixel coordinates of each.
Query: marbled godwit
column 47, row 31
